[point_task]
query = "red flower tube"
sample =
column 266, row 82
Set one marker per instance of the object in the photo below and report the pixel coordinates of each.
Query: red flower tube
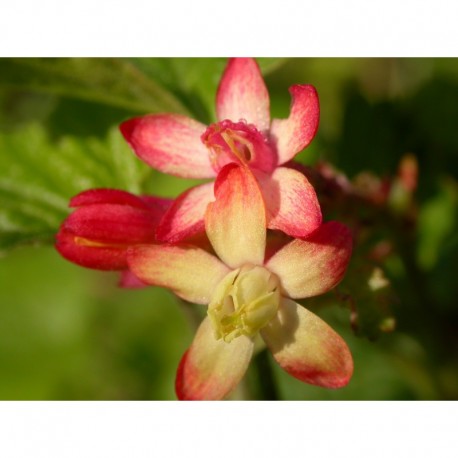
column 105, row 223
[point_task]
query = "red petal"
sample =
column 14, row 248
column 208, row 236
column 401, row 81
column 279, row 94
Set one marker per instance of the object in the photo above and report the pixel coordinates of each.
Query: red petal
column 170, row 144
column 295, row 133
column 291, row 202
column 107, row 221
column 106, row 196
column 242, row 94
column 102, row 257
column 185, row 218
column 113, row 224
column 313, row 266
column 307, row 348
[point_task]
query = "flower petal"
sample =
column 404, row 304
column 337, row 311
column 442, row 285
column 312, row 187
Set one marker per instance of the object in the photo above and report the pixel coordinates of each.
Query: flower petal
column 185, row 217
column 313, row 266
column 293, row 134
column 307, row 348
column 106, row 196
column 212, row 368
column 190, row 272
column 236, row 221
column 170, row 144
column 157, row 205
column 89, row 254
column 105, row 223
column 113, row 224
column 242, row 94
column 291, row 202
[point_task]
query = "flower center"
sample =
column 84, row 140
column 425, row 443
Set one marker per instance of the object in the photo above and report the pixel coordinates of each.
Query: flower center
column 237, row 142
column 245, row 300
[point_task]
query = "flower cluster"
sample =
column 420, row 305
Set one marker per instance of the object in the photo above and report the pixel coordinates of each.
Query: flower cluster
column 245, row 245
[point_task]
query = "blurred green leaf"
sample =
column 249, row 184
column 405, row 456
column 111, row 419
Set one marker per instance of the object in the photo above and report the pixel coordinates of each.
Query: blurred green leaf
column 195, row 80
column 39, row 176
column 270, row 64
column 21, row 107
column 437, row 223
column 70, row 333
column 114, row 82
column 40, row 173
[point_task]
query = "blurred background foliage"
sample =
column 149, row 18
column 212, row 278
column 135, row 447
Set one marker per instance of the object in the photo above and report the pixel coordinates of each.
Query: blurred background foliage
column 70, row 333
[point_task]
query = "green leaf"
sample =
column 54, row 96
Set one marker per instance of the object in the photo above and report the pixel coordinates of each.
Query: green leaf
column 39, row 176
column 270, row 64
column 40, row 173
column 115, row 82
column 437, row 224
column 195, row 80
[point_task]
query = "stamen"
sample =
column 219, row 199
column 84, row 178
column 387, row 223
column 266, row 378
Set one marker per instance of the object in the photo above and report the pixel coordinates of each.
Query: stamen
column 82, row 241
column 244, row 302
column 229, row 141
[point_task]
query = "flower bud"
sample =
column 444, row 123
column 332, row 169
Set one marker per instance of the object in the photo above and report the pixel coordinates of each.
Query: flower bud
column 105, row 223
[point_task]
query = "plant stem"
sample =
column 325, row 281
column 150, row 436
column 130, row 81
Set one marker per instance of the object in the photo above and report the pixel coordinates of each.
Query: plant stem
column 262, row 380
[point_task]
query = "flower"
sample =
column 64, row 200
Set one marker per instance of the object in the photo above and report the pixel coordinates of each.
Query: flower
column 104, row 224
column 249, row 293
column 244, row 134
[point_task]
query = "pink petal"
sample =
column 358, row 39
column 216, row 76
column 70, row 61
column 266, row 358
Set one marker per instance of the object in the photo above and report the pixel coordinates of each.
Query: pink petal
column 105, row 223
column 89, row 254
column 190, row 272
column 295, row 133
column 113, row 224
column 307, row 348
column 170, row 144
column 185, row 218
column 106, row 196
column 157, row 205
column 236, row 221
column 242, row 94
column 291, row 202
column 98, row 235
column 212, row 368
column 313, row 266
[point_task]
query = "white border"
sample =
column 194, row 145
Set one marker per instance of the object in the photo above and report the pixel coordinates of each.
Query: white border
column 222, row 429
column 237, row 28
column 324, row 28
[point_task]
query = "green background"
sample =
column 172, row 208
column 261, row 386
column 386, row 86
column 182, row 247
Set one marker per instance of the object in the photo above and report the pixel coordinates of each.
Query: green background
column 70, row 333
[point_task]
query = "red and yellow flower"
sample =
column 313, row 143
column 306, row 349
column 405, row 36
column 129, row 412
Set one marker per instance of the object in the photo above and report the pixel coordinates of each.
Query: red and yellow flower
column 244, row 134
column 105, row 223
column 248, row 283
column 249, row 293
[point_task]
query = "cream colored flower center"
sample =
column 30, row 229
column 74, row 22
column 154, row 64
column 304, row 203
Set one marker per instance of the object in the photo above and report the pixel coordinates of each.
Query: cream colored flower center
column 245, row 300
